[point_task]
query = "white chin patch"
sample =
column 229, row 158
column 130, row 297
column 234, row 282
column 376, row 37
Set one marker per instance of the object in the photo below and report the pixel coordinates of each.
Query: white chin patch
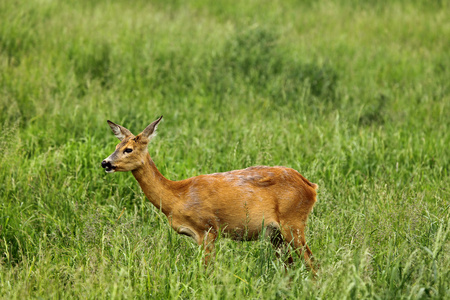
column 110, row 170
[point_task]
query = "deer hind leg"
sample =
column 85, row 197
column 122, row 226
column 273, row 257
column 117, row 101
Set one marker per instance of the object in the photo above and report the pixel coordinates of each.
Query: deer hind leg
column 207, row 243
column 295, row 235
column 279, row 244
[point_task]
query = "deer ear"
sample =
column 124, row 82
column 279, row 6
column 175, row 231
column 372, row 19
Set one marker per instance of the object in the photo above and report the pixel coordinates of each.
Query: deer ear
column 150, row 131
column 119, row 131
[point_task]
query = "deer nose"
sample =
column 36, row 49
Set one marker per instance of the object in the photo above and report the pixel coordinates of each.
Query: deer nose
column 105, row 164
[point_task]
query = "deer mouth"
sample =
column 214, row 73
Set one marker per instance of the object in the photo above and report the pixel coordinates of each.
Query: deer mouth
column 110, row 169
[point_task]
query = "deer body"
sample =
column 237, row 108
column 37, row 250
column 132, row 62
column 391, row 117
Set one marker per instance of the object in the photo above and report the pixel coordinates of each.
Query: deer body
column 239, row 203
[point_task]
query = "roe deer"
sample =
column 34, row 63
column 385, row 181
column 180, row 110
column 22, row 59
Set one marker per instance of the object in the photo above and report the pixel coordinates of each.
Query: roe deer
column 238, row 203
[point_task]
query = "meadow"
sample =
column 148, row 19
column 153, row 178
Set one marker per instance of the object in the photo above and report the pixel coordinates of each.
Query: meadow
column 355, row 95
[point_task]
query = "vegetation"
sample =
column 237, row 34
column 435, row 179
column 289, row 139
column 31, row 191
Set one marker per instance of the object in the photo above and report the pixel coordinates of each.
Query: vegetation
column 353, row 94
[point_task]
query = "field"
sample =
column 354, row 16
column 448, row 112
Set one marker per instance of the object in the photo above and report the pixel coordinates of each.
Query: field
column 355, row 95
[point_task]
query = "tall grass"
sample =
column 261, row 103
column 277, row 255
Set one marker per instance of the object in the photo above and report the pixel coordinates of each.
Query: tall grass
column 354, row 95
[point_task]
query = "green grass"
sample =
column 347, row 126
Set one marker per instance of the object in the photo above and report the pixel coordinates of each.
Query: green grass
column 353, row 94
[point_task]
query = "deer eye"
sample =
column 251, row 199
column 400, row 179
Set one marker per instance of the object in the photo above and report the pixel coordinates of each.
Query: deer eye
column 128, row 150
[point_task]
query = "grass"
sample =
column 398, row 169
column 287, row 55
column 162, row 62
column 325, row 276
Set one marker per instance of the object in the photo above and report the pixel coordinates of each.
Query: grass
column 354, row 95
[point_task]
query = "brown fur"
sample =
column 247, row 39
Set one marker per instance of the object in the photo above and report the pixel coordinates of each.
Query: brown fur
column 237, row 203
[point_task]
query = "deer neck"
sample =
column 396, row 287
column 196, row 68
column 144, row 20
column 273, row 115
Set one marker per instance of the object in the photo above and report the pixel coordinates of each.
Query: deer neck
column 155, row 186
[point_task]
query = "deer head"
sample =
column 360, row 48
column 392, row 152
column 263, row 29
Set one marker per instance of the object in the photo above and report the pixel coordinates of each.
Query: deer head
column 130, row 153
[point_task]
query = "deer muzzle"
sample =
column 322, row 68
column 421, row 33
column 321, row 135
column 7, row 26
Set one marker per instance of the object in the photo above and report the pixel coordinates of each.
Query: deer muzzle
column 109, row 168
